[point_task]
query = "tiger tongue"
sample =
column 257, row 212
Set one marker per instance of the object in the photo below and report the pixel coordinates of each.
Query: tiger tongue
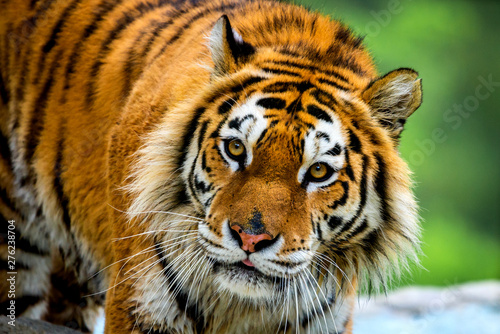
column 248, row 263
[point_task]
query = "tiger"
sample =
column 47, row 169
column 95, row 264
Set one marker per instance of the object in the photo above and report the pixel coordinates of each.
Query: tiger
column 195, row 166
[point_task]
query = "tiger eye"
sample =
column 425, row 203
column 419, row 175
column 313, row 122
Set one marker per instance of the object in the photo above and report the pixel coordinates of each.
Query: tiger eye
column 318, row 171
column 236, row 148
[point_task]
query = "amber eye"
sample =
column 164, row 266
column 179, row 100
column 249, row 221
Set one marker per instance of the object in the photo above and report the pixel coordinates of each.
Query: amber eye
column 235, row 149
column 320, row 172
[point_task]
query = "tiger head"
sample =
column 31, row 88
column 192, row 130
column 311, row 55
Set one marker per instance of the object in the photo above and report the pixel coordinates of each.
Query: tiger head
column 292, row 165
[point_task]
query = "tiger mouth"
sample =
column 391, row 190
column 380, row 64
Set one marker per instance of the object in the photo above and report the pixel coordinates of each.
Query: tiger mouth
column 241, row 269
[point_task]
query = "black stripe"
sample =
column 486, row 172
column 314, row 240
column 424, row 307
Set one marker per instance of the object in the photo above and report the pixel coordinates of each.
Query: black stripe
column 358, row 230
column 278, row 87
column 37, row 121
column 332, row 83
column 215, row 134
column 5, row 150
column 5, row 198
column 341, row 201
column 324, row 98
column 159, row 29
column 102, row 10
column 18, row 265
column 336, row 150
column 21, row 242
column 192, row 311
column 354, row 143
column 58, row 180
column 122, row 23
column 363, row 196
column 201, row 185
column 311, row 68
column 182, row 196
column 319, row 232
column 181, row 30
column 191, row 178
column 348, row 168
column 134, row 58
column 26, row 246
column 31, row 23
column 203, row 131
column 128, row 66
column 193, row 181
column 238, row 88
column 279, row 71
column 204, row 161
column 5, row 65
column 325, row 136
column 226, row 106
column 188, row 135
column 4, row 93
column 347, row 62
column 271, row 103
column 261, row 137
column 334, row 222
column 236, row 122
column 295, row 106
column 318, row 113
column 381, row 188
column 52, row 41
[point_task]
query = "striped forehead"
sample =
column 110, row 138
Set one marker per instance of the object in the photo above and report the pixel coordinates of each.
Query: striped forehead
column 247, row 121
column 318, row 128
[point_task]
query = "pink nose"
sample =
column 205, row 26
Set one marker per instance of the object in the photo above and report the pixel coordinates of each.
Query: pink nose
column 249, row 241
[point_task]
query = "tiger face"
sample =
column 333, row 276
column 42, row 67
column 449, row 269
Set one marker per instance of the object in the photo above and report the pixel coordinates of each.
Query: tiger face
column 291, row 172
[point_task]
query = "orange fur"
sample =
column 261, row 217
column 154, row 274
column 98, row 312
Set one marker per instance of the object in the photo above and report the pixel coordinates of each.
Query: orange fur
column 108, row 109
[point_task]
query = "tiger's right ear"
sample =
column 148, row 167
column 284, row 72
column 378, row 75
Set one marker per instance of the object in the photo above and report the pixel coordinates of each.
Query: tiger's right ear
column 227, row 47
column 393, row 98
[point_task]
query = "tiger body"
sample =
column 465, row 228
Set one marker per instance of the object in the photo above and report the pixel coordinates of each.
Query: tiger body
column 116, row 118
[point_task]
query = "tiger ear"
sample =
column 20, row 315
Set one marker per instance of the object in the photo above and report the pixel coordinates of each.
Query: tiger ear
column 393, row 98
column 227, row 47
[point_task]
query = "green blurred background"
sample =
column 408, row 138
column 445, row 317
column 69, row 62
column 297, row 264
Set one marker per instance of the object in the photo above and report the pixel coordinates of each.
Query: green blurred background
column 452, row 142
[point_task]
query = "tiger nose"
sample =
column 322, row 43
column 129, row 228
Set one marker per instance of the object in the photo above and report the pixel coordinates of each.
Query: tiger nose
column 250, row 242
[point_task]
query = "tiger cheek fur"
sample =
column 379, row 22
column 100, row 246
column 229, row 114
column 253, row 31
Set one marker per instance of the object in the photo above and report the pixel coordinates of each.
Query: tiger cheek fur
column 214, row 166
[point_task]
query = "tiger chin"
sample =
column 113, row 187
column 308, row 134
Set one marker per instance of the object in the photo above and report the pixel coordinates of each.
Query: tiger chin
column 207, row 166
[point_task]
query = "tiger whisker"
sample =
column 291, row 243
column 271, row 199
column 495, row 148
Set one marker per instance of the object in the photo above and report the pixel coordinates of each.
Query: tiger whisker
column 147, row 268
column 323, row 257
column 152, row 232
column 170, row 246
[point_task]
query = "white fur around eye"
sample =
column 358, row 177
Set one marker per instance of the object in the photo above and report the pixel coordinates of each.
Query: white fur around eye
column 248, row 133
column 316, row 150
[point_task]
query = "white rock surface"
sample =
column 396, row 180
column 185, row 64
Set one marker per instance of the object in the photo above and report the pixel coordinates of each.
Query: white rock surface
column 468, row 308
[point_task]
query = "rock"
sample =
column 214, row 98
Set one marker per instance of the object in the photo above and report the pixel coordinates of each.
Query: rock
column 30, row 326
column 467, row 308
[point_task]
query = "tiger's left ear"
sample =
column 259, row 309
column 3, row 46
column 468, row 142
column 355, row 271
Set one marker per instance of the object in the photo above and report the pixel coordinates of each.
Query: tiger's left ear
column 227, row 47
column 393, row 98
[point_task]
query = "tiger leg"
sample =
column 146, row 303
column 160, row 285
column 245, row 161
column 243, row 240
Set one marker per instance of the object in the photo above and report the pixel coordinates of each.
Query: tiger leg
column 26, row 266
column 38, row 280
column 73, row 299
